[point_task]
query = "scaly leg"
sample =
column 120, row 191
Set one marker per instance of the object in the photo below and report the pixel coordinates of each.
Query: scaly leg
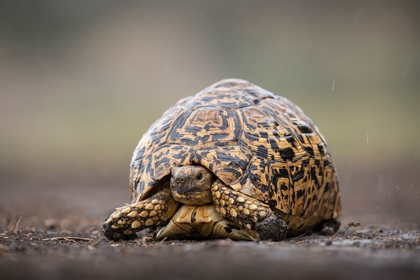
column 127, row 220
column 248, row 212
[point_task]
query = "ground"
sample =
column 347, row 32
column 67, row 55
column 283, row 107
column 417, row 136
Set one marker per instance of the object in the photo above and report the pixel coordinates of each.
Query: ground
column 74, row 248
column 52, row 230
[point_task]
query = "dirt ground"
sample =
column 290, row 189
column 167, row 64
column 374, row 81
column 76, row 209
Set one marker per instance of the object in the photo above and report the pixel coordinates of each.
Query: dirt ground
column 74, row 248
column 52, row 230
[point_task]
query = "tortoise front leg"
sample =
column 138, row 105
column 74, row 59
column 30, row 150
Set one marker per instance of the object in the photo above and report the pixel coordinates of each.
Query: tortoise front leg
column 127, row 220
column 248, row 212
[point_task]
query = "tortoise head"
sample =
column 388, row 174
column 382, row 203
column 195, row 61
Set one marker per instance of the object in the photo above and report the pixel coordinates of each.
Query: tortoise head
column 191, row 184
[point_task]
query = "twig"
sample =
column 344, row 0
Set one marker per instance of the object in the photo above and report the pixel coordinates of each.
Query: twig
column 351, row 224
column 96, row 243
column 297, row 237
column 163, row 240
column 17, row 225
column 68, row 238
column 335, row 234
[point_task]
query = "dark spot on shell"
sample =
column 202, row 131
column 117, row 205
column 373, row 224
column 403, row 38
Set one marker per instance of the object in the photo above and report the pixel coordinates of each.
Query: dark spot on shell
column 287, row 154
column 305, row 129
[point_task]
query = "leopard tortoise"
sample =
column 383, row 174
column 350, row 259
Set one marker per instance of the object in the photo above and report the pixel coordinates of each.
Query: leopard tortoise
column 233, row 161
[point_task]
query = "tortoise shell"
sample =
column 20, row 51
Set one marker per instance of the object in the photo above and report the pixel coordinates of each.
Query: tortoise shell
column 258, row 143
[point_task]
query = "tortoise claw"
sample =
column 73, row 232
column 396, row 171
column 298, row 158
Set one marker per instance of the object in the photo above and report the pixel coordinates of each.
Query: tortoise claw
column 127, row 220
column 114, row 235
column 272, row 228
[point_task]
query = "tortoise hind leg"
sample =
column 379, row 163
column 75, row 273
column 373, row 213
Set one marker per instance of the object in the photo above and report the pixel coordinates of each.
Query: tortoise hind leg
column 248, row 212
column 327, row 227
column 127, row 220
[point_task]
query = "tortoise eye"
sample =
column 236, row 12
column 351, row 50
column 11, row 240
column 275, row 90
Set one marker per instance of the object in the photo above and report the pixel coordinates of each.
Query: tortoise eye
column 199, row 176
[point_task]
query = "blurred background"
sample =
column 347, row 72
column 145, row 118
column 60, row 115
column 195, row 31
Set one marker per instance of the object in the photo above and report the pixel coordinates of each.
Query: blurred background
column 81, row 81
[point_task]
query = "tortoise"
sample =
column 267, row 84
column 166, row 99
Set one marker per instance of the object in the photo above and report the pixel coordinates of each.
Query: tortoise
column 233, row 161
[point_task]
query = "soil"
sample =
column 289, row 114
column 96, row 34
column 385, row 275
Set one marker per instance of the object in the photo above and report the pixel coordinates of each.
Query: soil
column 53, row 231
column 74, row 248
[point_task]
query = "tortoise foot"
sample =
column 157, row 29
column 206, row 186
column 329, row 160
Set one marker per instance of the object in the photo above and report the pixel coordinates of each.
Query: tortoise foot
column 328, row 227
column 151, row 212
column 115, row 234
column 247, row 212
column 272, row 228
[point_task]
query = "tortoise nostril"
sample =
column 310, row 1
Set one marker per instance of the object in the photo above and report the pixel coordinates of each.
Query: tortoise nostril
column 180, row 180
